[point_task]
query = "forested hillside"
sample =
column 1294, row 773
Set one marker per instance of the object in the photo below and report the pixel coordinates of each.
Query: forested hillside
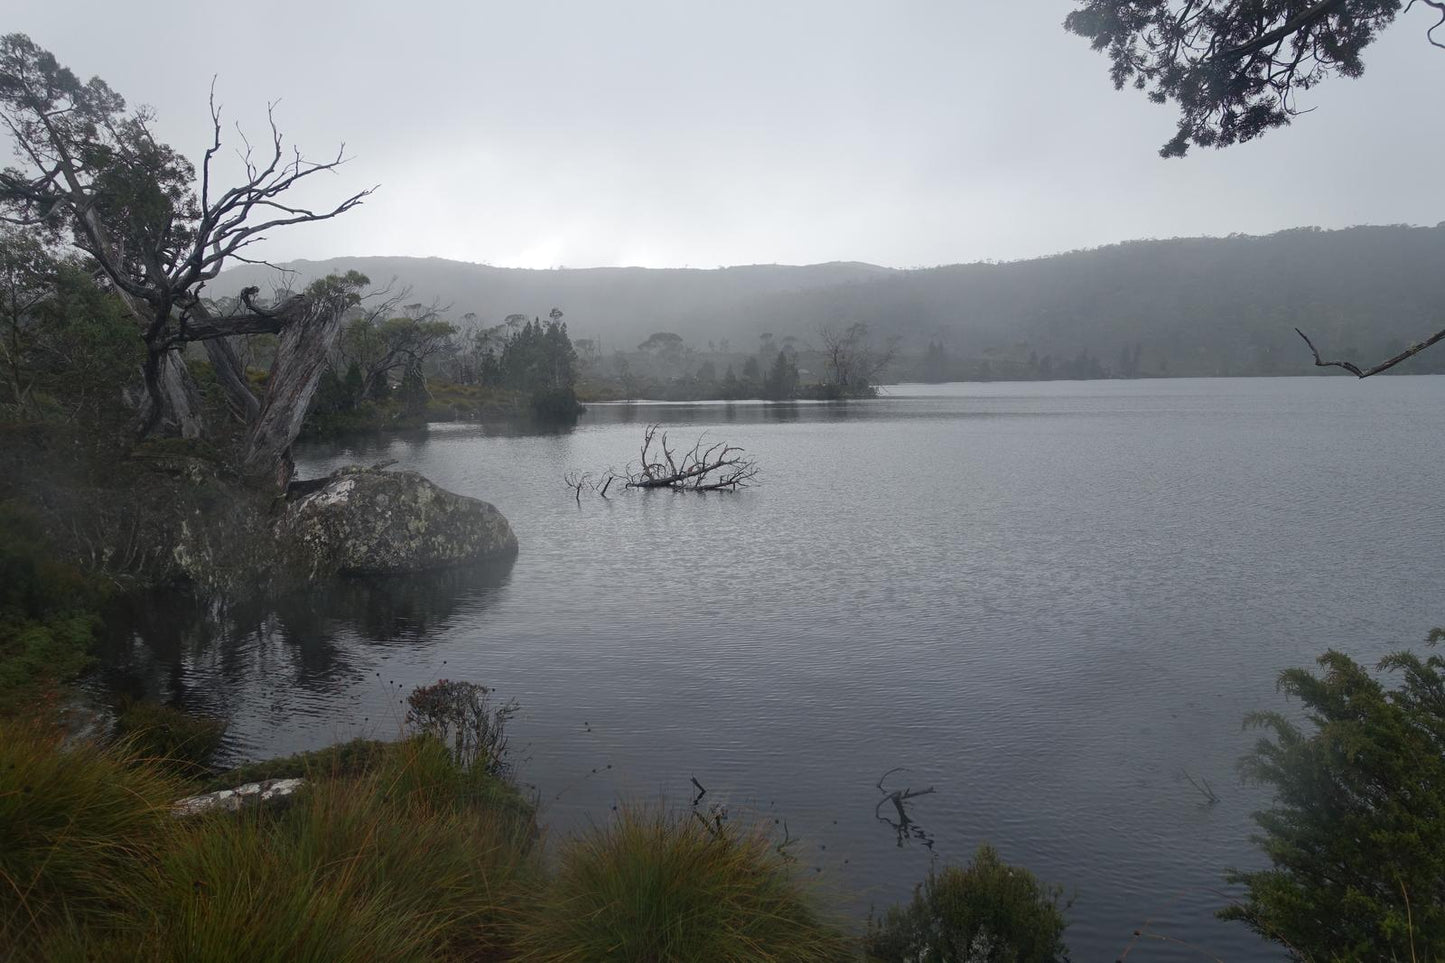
column 1185, row 306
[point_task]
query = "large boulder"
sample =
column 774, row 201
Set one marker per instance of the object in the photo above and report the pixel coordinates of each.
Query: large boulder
column 365, row 521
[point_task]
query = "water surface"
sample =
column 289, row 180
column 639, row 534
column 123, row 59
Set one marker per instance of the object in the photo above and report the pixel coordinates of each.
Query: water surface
column 1047, row 601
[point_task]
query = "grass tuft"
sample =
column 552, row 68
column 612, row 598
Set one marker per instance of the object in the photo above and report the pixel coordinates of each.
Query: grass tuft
column 667, row 889
column 172, row 738
column 75, row 823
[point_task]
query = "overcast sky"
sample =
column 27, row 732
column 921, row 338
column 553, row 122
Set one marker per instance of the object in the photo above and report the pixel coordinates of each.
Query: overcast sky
column 667, row 133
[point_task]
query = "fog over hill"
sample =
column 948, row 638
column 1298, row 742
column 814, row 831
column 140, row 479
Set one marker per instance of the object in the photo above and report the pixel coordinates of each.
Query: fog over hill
column 1188, row 306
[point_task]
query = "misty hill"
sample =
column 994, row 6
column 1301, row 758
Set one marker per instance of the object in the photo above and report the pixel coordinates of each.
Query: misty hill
column 1188, row 306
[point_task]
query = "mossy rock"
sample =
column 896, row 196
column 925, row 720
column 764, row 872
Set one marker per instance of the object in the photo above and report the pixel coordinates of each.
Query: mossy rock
column 369, row 522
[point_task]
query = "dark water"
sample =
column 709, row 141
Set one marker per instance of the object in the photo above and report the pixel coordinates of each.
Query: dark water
column 1046, row 601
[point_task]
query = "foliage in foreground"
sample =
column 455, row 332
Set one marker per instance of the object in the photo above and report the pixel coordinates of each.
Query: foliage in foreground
column 665, row 888
column 410, row 859
column 987, row 912
column 397, row 864
column 400, row 854
column 75, row 824
column 47, row 616
column 1356, row 834
column 172, row 738
column 461, row 715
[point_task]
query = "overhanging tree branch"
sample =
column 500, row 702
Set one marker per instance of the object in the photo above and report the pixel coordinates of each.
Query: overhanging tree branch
column 1359, row 372
column 1271, row 37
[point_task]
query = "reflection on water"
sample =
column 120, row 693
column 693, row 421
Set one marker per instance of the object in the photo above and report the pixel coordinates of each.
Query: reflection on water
column 234, row 657
column 1045, row 601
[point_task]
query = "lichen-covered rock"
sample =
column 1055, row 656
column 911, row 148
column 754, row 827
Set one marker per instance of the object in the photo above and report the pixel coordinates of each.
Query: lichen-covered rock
column 364, row 521
column 265, row 793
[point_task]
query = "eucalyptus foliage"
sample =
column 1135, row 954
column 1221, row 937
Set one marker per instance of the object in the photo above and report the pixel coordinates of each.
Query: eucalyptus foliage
column 1233, row 68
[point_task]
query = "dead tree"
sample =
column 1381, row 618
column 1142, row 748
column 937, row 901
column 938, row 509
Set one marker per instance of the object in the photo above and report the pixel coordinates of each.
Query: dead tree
column 714, row 468
column 718, row 467
column 158, row 230
column 852, row 363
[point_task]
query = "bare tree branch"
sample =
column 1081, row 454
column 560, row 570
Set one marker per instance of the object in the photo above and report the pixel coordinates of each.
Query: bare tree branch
column 721, row 467
column 1355, row 369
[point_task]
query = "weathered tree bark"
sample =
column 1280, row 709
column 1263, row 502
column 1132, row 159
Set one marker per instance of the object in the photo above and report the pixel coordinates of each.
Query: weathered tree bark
column 231, row 375
column 170, row 386
column 230, row 372
column 300, row 358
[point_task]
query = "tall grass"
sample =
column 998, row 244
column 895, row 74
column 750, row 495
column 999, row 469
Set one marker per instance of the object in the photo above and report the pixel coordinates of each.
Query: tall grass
column 397, row 853
column 408, row 861
column 413, row 858
column 172, row 738
column 75, row 825
column 666, row 889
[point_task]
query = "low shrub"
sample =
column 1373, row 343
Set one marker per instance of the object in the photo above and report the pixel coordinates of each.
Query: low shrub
column 172, row 738
column 555, row 404
column 987, row 912
column 462, row 716
column 1355, row 827
column 672, row 890
column 47, row 617
column 333, row 762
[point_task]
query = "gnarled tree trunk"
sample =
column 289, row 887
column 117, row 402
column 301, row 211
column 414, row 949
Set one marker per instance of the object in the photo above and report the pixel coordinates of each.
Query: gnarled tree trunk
column 301, row 356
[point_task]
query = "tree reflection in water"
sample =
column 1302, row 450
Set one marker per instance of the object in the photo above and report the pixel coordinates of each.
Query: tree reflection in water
column 199, row 652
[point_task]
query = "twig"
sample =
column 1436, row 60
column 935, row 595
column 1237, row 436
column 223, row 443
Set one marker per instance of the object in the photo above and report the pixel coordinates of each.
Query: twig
column 1206, row 790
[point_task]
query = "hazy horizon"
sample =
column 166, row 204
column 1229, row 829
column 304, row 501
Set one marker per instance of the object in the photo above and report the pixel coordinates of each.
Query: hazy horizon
column 663, row 135
column 845, row 260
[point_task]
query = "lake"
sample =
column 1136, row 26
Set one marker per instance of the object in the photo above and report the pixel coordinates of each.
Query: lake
column 1046, row 601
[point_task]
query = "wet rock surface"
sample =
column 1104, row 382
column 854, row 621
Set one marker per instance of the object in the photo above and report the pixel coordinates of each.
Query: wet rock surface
column 366, row 521
column 269, row 792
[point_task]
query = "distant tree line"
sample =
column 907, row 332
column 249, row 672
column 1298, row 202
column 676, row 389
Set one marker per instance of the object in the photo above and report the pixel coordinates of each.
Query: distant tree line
column 391, row 354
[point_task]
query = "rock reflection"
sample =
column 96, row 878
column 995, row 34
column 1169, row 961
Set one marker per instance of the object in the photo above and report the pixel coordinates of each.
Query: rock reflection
column 189, row 650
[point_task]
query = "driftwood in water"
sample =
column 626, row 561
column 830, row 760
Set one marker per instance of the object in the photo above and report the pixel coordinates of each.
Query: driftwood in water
column 719, row 467
column 715, row 468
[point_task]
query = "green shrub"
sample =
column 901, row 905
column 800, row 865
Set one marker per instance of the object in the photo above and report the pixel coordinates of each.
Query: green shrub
column 172, row 738
column 987, row 912
column 47, row 620
column 555, row 404
column 77, row 827
column 1356, row 831
column 37, row 657
column 462, row 716
column 333, row 762
column 670, row 890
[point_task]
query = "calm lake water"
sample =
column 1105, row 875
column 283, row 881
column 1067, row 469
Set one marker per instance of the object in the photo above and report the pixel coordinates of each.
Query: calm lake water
column 1047, row 601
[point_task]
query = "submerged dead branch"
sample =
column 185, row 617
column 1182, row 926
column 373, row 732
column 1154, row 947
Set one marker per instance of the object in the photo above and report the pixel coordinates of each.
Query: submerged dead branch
column 703, row 468
column 904, row 827
column 719, row 467
column 1205, row 790
column 577, row 482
